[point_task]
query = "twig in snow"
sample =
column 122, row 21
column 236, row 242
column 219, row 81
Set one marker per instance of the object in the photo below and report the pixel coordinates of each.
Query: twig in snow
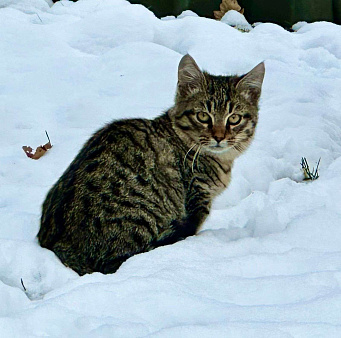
column 47, row 135
column 39, row 18
column 22, row 283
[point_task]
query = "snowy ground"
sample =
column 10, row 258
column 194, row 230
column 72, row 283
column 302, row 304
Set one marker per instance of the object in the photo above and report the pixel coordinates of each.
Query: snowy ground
column 268, row 261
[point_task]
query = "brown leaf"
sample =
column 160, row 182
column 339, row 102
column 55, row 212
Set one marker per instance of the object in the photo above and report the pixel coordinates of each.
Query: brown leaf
column 28, row 151
column 227, row 5
column 40, row 151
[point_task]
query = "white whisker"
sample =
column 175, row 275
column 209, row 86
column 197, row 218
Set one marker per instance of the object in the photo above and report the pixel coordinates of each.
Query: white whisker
column 194, row 157
column 189, row 152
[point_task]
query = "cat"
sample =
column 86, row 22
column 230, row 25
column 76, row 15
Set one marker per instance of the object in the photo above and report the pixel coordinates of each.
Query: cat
column 138, row 184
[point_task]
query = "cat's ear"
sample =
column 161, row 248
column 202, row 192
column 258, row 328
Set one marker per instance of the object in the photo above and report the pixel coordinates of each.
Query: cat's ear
column 190, row 78
column 250, row 84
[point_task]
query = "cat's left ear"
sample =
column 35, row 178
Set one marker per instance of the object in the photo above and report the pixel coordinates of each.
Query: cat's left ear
column 250, row 84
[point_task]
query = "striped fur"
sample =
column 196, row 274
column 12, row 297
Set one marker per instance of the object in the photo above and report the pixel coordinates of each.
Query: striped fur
column 138, row 184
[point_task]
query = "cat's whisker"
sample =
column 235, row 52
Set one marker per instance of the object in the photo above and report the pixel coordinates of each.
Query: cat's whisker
column 188, row 153
column 194, row 157
column 198, row 156
column 239, row 147
column 237, row 144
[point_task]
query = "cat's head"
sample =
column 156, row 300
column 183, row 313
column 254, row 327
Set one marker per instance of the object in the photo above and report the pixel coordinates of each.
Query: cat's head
column 218, row 113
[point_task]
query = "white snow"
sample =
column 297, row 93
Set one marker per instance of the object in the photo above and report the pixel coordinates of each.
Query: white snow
column 187, row 13
column 236, row 19
column 268, row 260
column 299, row 25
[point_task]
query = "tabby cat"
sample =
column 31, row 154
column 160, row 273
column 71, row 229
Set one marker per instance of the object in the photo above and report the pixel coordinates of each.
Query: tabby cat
column 138, row 184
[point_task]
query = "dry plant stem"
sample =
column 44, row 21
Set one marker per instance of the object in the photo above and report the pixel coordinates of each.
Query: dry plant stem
column 309, row 175
column 22, row 283
column 39, row 18
column 47, row 135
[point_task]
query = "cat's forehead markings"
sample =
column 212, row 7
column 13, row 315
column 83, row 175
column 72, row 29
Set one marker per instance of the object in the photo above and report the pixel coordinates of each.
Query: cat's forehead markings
column 228, row 107
column 214, row 105
column 211, row 89
column 208, row 106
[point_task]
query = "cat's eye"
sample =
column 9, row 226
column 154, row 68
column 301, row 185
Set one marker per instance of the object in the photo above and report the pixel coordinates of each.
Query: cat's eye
column 203, row 117
column 234, row 119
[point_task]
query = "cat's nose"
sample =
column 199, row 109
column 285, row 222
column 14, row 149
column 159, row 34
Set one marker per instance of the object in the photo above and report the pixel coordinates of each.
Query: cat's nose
column 218, row 138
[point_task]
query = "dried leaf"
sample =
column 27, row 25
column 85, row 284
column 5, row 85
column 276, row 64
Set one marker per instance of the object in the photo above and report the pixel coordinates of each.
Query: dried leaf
column 227, row 5
column 40, row 151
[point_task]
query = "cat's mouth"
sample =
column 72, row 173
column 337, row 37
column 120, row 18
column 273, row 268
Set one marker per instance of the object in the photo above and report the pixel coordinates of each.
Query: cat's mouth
column 219, row 148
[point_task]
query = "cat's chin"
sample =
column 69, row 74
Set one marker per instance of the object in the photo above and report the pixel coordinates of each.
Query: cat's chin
column 218, row 150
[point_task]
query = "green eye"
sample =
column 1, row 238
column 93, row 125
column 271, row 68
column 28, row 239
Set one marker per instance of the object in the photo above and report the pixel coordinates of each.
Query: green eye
column 234, row 119
column 203, row 117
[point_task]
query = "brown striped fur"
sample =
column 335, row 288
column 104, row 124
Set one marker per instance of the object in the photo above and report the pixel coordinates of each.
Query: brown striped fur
column 138, row 184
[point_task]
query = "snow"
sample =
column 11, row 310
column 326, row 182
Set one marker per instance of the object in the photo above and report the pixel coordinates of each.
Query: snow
column 187, row 13
column 236, row 19
column 267, row 262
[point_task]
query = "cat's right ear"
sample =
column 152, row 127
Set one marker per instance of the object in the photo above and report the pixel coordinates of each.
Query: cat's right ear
column 190, row 78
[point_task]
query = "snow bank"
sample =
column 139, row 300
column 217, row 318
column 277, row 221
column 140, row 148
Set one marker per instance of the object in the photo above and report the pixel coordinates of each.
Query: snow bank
column 237, row 20
column 268, row 260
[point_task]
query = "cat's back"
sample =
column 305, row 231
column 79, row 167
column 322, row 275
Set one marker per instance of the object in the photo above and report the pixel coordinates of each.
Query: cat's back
column 127, row 167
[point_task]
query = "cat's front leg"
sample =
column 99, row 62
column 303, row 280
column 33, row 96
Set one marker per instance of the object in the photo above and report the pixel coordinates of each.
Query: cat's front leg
column 197, row 206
